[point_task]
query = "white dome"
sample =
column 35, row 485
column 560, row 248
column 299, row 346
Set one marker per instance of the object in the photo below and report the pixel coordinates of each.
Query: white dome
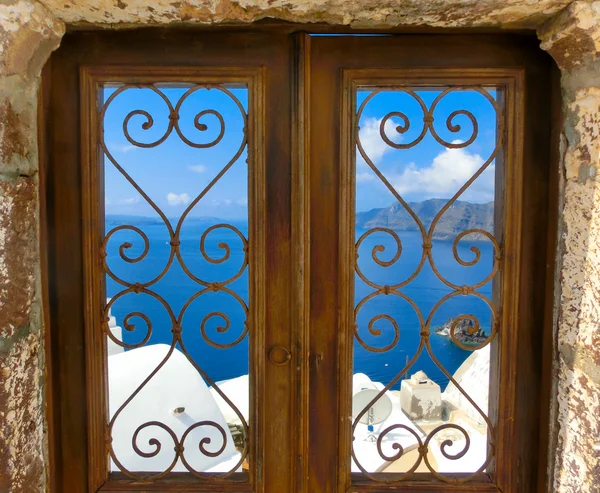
column 176, row 385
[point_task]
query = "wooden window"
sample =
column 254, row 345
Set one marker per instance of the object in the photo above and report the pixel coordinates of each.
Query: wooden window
column 284, row 262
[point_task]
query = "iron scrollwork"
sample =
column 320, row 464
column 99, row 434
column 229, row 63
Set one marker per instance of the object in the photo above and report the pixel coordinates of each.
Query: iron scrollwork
column 401, row 127
column 138, row 321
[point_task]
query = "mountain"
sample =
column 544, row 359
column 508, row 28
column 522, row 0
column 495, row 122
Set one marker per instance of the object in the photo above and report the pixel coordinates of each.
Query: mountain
column 459, row 217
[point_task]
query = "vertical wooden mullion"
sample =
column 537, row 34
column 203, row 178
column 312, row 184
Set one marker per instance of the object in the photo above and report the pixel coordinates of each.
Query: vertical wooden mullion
column 94, row 292
column 277, row 398
column 500, row 180
column 256, row 274
column 347, row 214
column 65, row 278
column 509, row 192
column 324, row 272
column 300, row 251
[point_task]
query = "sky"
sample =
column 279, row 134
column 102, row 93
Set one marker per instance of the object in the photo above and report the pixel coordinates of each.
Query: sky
column 427, row 170
column 173, row 173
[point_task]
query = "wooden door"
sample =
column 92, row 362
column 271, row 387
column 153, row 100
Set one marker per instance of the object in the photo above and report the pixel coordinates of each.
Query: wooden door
column 389, row 214
column 172, row 321
column 423, row 155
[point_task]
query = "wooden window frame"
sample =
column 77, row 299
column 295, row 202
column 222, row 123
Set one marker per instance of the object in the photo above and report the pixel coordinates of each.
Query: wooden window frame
column 316, row 356
column 92, row 80
column 508, row 212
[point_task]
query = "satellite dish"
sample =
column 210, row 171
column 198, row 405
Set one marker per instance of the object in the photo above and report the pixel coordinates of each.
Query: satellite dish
column 377, row 413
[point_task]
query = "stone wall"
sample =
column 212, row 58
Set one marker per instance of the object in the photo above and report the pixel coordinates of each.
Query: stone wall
column 30, row 30
column 573, row 39
column 28, row 33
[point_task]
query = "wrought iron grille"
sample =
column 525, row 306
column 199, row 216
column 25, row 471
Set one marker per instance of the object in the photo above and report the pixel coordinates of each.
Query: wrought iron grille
column 208, row 437
column 392, row 129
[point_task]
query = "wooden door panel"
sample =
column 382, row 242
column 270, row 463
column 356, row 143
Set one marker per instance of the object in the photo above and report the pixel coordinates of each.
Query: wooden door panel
column 498, row 71
column 157, row 61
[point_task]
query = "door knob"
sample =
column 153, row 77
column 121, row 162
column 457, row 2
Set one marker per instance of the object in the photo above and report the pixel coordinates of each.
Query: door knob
column 278, row 355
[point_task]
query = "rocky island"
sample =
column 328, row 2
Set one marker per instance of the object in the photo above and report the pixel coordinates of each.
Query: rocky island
column 466, row 333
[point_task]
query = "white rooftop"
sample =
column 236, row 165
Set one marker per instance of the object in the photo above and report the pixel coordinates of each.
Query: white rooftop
column 176, row 385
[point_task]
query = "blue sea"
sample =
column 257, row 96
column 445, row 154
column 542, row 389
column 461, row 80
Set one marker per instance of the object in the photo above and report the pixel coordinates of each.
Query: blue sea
column 176, row 288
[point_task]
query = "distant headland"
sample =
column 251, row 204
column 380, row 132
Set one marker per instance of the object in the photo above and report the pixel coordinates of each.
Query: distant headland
column 461, row 216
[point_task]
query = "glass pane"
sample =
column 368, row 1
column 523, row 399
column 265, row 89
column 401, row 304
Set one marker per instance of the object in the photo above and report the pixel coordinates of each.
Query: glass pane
column 175, row 257
column 426, row 257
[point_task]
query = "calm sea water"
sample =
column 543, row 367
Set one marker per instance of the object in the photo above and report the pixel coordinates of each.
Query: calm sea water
column 177, row 288
column 425, row 290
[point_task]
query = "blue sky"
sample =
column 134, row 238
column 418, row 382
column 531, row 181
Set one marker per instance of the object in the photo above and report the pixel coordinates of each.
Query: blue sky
column 173, row 173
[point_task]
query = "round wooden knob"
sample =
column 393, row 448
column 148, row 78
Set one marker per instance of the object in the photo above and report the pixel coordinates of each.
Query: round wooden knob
column 278, row 355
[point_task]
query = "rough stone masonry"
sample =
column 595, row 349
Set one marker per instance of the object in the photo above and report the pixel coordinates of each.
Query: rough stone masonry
column 570, row 32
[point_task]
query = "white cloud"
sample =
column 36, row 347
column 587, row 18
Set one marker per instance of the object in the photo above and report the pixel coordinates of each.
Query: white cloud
column 365, row 177
column 128, row 201
column 372, row 143
column 123, row 148
column 242, row 201
column 446, row 174
column 178, row 199
column 198, row 168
